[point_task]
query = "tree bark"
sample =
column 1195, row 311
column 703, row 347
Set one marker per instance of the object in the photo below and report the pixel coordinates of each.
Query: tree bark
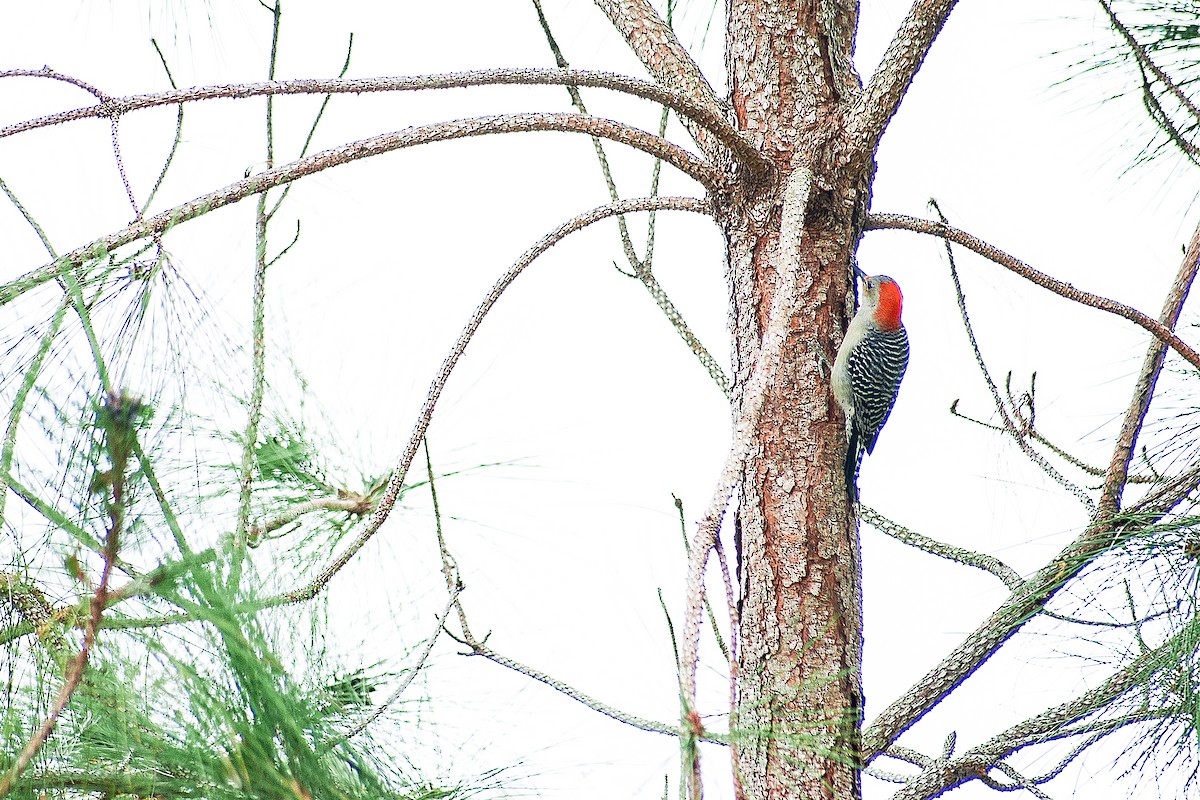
column 799, row 703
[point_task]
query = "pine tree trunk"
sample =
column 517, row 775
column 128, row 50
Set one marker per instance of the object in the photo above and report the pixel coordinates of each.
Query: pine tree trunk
column 800, row 695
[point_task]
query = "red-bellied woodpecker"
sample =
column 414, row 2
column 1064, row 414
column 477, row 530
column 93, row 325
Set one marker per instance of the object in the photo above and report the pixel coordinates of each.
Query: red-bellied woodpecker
column 869, row 367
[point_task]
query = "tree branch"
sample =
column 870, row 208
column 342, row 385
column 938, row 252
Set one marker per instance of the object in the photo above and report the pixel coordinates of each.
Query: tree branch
column 365, row 148
column 704, row 116
column 878, row 103
column 982, row 561
column 946, row 774
column 902, row 222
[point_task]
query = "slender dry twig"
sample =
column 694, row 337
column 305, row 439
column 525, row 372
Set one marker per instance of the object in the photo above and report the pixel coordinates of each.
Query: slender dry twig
column 704, row 117
column 46, row 72
column 881, row 98
column 414, row 669
column 770, row 351
column 396, row 482
column 477, row 647
column 995, row 254
column 1010, row 427
column 641, row 267
column 258, row 326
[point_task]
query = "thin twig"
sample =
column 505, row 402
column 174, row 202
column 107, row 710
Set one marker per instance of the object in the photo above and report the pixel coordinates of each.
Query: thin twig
column 414, row 669
column 1009, row 426
column 258, row 328
column 396, row 482
column 641, row 267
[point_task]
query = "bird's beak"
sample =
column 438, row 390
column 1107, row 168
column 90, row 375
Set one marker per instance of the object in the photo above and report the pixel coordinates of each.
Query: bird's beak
column 857, row 269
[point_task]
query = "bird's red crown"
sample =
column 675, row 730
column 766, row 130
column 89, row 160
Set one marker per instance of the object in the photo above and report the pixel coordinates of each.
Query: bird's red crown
column 887, row 312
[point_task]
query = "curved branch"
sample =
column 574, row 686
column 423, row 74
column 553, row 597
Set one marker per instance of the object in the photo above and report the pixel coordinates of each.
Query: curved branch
column 396, row 482
column 706, row 116
column 916, row 224
column 982, row 561
column 878, row 103
column 365, row 148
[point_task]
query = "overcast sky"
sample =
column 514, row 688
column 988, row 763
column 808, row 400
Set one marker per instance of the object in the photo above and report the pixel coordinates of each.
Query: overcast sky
column 576, row 381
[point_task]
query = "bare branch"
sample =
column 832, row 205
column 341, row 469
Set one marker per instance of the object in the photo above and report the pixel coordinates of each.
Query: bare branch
column 651, row 726
column 705, row 117
column 396, row 482
column 365, row 148
column 972, row 559
column 641, row 268
column 684, row 330
column 1161, row 331
column 1118, row 470
column 1050, row 724
column 412, row 671
column 879, row 101
column 656, row 46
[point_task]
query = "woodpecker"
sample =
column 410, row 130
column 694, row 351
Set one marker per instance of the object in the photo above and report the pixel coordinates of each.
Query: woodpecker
column 869, row 367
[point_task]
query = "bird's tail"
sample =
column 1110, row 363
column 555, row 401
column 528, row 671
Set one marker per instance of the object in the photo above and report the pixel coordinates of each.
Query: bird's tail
column 854, row 457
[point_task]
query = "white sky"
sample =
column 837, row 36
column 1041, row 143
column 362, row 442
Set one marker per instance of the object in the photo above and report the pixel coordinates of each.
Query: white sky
column 578, row 379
